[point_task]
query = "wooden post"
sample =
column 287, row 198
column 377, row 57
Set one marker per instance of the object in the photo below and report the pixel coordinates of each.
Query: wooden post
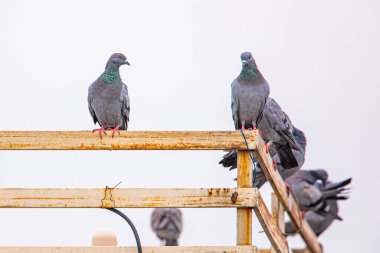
column 278, row 214
column 244, row 215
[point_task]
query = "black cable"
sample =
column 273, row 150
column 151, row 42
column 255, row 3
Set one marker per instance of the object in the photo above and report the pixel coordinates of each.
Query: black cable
column 251, row 156
column 139, row 248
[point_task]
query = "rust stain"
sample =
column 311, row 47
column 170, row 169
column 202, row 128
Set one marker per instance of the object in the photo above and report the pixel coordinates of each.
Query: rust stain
column 234, row 197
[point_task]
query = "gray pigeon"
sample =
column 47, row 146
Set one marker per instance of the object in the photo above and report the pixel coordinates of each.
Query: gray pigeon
column 277, row 131
column 320, row 221
column 167, row 224
column 300, row 139
column 108, row 99
column 308, row 196
column 309, row 176
column 259, row 178
column 314, row 196
column 249, row 93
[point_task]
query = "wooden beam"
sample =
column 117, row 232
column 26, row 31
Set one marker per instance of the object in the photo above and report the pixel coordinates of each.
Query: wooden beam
column 278, row 214
column 126, row 198
column 244, row 215
column 279, row 188
column 293, row 250
column 161, row 249
column 128, row 140
column 270, row 227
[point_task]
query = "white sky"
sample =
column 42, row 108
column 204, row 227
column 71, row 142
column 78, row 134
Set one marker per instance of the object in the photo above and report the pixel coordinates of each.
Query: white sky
column 320, row 58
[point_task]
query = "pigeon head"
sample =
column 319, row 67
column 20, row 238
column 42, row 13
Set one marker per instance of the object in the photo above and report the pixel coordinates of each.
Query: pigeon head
column 247, row 59
column 249, row 71
column 116, row 60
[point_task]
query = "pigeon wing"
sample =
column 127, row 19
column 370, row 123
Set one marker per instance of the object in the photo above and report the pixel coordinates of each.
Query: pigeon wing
column 125, row 109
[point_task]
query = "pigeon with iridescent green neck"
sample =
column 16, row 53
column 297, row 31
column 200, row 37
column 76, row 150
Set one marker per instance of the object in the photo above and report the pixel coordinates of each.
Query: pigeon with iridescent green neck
column 108, row 100
column 249, row 93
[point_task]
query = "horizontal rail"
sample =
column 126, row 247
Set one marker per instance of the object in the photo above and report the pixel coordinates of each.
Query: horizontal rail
column 127, row 198
column 279, row 188
column 108, row 249
column 270, row 227
column 293, row 250
column 160, row 249
column 128, row 140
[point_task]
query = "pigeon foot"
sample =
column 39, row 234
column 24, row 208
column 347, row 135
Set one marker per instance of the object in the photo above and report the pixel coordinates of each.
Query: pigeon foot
column 287, row 186
column 116, row 129
column 100, row 130
column 274, row 165
column 267, row 146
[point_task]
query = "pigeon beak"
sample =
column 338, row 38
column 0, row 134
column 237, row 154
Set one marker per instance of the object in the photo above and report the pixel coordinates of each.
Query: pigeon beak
column 126, row 62
column 244, row 61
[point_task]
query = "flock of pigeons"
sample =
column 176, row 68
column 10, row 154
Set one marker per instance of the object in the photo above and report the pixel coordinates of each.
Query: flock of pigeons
column 252, row 108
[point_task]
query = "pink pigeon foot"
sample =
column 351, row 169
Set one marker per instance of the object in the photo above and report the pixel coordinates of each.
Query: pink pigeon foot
column 274, row 165
column 116, row 129
column 100, row 130
column 287, row 188
column 267, row 146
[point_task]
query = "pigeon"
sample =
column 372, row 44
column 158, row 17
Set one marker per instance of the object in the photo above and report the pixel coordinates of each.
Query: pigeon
column 314, row 196
column 167, row 224
column 309, row 176
column 108, row 100
column 230, row 159
column 300, row 139
column 320, row 221
column 277, row 131
column 249, row 93
column 307, row 195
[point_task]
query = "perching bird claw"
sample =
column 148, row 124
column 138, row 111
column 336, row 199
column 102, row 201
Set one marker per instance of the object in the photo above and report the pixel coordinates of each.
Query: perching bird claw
column 116, row 129
column 267, row 147
column 100, row 130
column 303, row 213
column 274, row 165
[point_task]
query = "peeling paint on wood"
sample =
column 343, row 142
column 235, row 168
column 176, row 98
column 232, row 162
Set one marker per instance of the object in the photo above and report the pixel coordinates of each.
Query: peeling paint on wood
column 128, row 140
column 125, row 198
column 110, row 249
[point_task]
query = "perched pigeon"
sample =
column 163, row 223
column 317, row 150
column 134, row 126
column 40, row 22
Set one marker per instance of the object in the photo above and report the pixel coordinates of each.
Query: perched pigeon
column 314, row 196
column 249, row 93
column 277, row 131
column 167, row 224
column 300, row 139
column 108, row 99
column 308, row 196
column 309, row 176
column 259, row 178
column 320, row 221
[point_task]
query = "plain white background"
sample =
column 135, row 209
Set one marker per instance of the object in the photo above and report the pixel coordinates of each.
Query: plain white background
column 321, row 59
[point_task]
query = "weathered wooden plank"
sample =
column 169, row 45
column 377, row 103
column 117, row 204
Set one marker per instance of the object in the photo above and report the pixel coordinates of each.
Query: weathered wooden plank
column 244, row 215
column 161, row 249
column 293, row 250
column 270, row 227
column 127, row 198
column 128, row 140
column 278, row 186
column 278, row 214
